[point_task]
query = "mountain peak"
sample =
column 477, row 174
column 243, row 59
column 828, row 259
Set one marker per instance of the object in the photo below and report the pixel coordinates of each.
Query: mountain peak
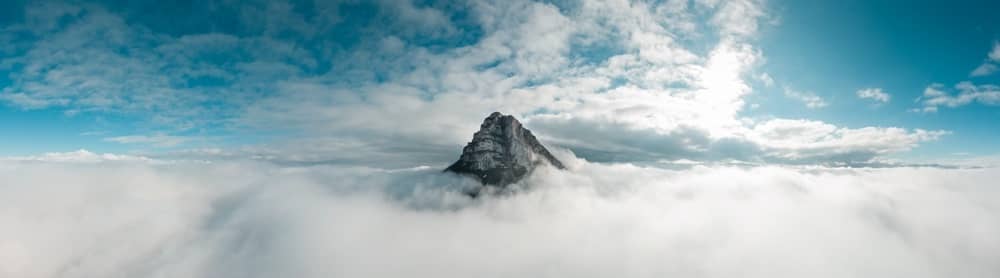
column 502, row 152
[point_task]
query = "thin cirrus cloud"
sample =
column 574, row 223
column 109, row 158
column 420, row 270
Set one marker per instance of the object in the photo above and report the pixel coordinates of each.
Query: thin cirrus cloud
column 158, row 140
column 994, row 54
column 984, row 69
column 989, row 66
column 810, row 99
column 417, row 78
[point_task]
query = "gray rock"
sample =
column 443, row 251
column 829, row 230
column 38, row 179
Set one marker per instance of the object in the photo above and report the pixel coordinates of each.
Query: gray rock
column 502, row 152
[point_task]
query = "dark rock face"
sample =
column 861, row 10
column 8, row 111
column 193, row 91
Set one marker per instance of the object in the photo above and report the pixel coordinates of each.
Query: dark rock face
column 502, row 152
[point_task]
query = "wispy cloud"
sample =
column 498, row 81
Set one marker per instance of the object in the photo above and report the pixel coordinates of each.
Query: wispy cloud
column 158, row 140
column 79, row 156
column 810, row 99
column 765, row 79
column 421, row 75
column 989, row 66
column 818, row 142
column 937, row 95
column 994, row 54
column 875, row 94
column 984, row 70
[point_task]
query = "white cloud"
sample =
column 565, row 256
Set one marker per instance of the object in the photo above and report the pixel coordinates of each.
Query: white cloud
column 819, row 141
column 774, row 141
column 89, row 59
column 158, row 140
column 765, row 79
column 649, row 62
column 647, row 68
column 655, row 98
column 79, row 156
column 875, row 94
column 810, row 99
column 989, row 66
column 736, row 18
column 596, row 220
column 936, row 95
column 984, row 70
column 994, row 54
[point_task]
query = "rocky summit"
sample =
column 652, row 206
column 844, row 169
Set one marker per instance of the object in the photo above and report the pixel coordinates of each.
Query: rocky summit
column 502, row 152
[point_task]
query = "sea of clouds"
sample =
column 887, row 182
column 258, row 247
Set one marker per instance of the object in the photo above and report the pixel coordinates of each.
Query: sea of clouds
column 252, row 219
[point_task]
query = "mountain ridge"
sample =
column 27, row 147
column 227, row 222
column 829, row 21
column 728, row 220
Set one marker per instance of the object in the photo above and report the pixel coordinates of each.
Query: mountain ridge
column 502, row 152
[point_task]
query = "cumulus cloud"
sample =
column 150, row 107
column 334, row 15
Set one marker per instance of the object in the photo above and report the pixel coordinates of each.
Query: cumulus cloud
column 244, row 219
column 391, row 77
column 371, row 99
column 818, row 141
column 966, row 92
column 643, row 93
column 937, row 95
column 875, row 94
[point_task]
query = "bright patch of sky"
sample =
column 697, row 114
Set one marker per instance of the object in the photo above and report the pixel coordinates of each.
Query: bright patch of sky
column 841, row 83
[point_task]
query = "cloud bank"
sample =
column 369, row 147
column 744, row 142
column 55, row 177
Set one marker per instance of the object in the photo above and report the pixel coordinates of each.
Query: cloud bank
column 246, row 219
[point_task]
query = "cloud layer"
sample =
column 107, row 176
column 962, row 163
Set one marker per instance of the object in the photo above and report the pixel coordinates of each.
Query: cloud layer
column 409, row 79
column 115, row 218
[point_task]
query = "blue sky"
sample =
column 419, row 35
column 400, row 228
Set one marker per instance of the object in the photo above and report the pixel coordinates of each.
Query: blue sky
column 836, row 48
column 700, row 138
column 368, row 81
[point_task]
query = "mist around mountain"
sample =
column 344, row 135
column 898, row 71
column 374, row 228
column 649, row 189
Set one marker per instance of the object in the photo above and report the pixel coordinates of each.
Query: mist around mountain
column 346, row 138
column 103, row 217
